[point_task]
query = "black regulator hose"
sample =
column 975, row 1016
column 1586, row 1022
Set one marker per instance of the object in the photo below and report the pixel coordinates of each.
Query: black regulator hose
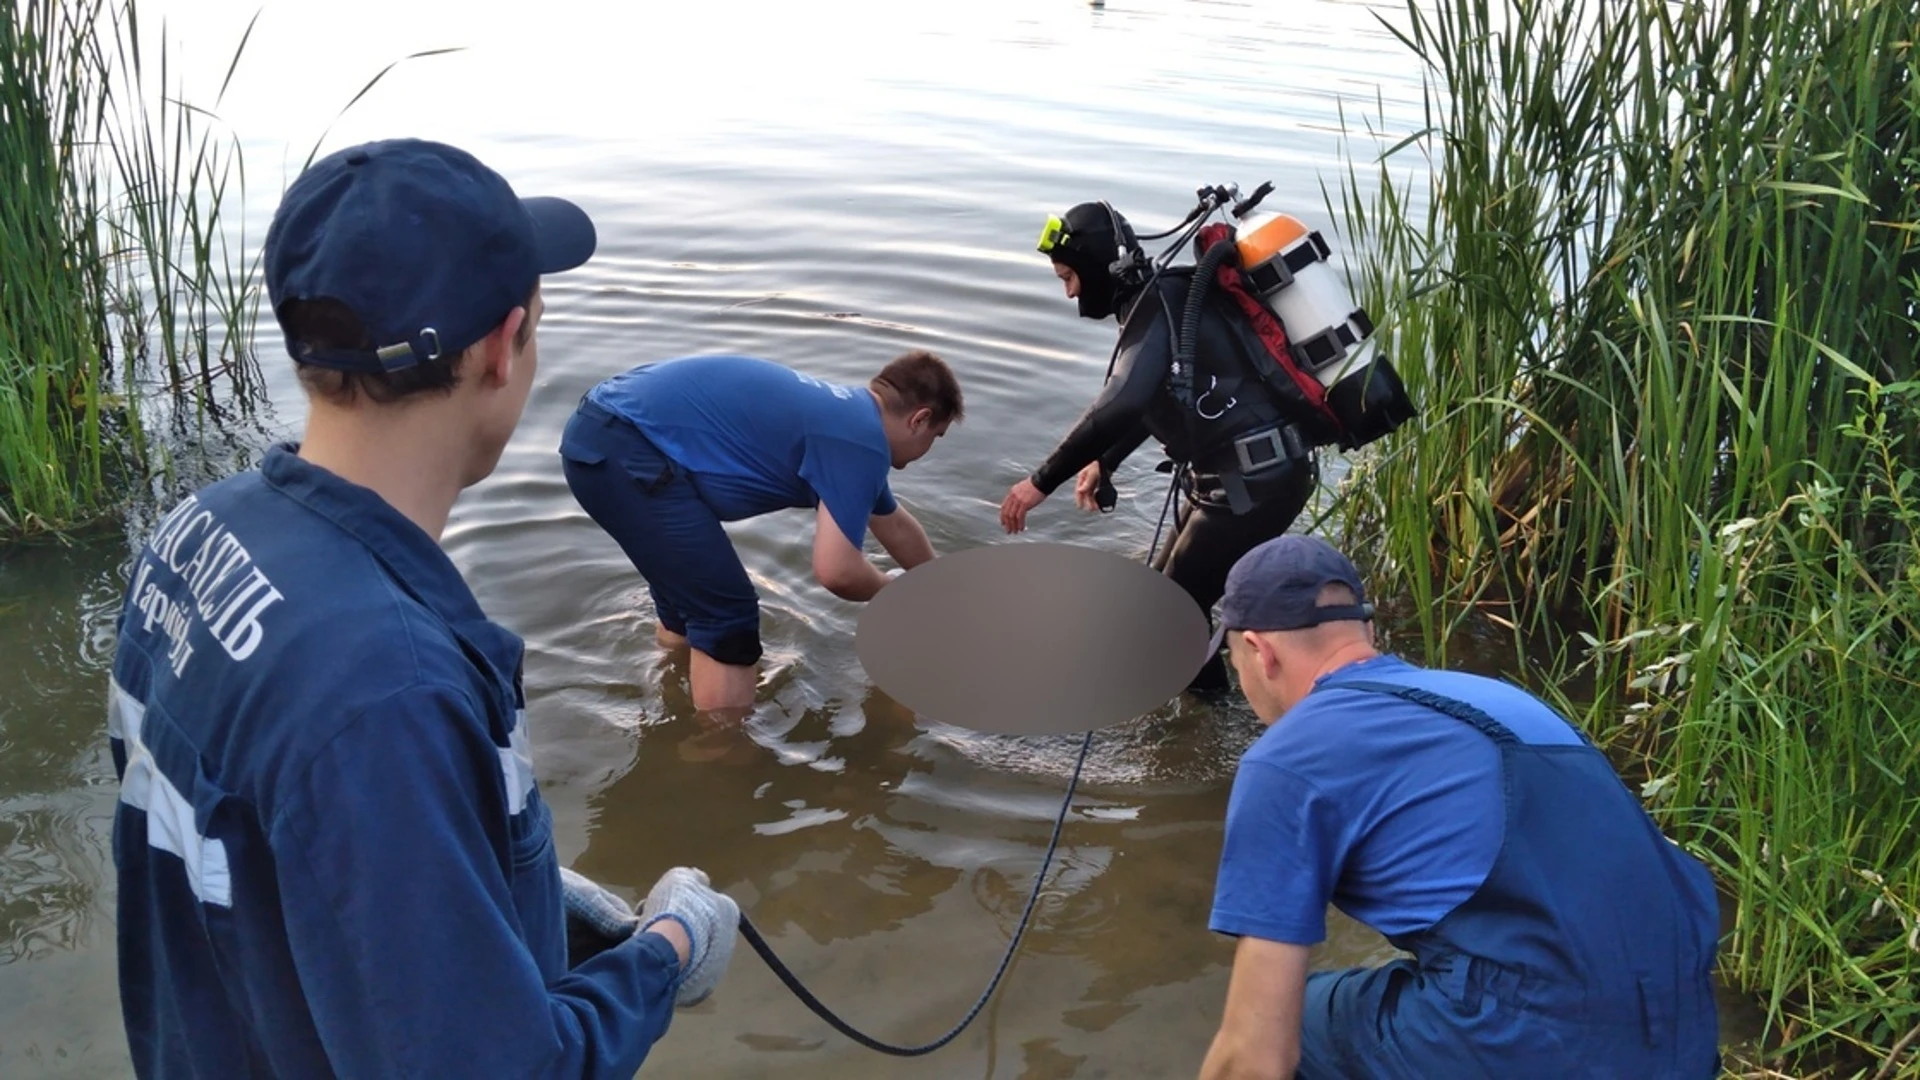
column 1203, row 274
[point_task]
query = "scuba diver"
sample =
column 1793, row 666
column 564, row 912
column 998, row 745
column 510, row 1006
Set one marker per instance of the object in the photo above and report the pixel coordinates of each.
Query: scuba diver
column 1204, row 364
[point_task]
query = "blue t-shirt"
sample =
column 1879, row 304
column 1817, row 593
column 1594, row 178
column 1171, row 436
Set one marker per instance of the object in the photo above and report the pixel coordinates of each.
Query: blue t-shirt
column 759, row 436
column 332, row 856
column 1386, row 809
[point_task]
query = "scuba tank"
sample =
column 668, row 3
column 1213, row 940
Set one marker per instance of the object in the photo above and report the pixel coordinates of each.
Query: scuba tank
column 1285, row 266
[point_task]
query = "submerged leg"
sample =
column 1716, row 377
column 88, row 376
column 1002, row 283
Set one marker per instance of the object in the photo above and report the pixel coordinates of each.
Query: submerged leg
column 1209, row 541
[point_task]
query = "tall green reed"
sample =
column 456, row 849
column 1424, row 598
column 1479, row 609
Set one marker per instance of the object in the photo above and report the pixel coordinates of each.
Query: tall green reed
column 1653, row 274
column 52, row 286
column 118, row 294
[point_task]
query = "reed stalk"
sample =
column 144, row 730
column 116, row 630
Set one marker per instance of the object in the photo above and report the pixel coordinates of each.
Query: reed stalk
column 1652, row 271
column 118, row 294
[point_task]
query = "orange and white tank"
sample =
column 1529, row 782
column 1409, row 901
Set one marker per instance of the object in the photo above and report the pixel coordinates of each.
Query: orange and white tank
column 1285, row 264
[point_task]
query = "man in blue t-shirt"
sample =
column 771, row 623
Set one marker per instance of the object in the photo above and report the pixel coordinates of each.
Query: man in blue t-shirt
column 332, row 857
column 1553, row 930
column 661, row 455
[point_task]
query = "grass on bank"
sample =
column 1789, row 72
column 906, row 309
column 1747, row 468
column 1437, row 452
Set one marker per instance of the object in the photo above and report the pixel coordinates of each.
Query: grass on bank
column 119, row 299
column 1655, row 283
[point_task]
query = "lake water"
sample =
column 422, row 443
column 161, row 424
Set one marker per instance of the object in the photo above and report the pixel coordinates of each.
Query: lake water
column 826, row 184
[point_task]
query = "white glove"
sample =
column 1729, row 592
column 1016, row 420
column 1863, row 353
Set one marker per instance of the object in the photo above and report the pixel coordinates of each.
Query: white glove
column 711, row 920
column 588, row 902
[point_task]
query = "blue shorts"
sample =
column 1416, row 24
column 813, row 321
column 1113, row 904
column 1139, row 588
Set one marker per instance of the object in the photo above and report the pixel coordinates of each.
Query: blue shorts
column 649, row 506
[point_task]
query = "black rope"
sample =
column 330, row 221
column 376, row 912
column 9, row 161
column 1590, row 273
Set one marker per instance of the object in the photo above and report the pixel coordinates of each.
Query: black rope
column 806, row 996
column 820, row 1009
column 1173, row 486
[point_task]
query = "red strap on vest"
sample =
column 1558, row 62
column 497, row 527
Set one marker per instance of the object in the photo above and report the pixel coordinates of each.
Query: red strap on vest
column 1267, row 326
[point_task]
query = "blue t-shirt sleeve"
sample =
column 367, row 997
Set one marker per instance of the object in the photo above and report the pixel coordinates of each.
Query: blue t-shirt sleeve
column 402, row 925
column 1280, row 859
column 851, row 479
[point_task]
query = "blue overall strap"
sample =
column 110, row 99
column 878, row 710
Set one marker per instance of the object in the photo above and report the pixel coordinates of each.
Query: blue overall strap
column 1467, row 714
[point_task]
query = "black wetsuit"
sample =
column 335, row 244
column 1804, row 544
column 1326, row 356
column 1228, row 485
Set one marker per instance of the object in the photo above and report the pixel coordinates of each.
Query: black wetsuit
column 1138, row 401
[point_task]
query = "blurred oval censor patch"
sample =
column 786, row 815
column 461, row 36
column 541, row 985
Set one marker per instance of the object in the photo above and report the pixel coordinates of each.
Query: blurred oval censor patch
column 1032, row 639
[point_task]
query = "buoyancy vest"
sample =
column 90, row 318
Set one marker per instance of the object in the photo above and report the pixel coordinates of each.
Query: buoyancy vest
column 1237, row 433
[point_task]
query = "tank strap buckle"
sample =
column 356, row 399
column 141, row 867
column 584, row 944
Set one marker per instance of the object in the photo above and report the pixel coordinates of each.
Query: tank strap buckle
column 1318, row 350
column 1267, row 449
column 1279, row 272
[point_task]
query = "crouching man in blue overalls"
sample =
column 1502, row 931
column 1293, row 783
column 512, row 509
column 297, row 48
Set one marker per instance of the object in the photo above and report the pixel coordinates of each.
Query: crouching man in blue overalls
column 1554, row 931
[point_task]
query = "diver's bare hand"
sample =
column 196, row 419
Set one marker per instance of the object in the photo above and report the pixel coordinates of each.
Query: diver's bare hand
column 1021, row 497
column 1085, row 486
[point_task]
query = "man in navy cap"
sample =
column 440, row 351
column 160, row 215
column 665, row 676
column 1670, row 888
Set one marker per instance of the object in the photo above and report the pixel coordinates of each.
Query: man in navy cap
column 1553, row 930
column 333, row 859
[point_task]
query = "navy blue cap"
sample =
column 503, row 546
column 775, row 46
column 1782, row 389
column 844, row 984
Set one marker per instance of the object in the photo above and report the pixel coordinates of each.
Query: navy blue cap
column 1274, row 586
column 428, row 247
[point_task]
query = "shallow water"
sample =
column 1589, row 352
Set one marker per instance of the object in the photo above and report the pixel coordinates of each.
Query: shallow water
column 827, row 185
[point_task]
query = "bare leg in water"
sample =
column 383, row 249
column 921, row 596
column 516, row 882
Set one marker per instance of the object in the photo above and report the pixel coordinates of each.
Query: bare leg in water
column 722, row 698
